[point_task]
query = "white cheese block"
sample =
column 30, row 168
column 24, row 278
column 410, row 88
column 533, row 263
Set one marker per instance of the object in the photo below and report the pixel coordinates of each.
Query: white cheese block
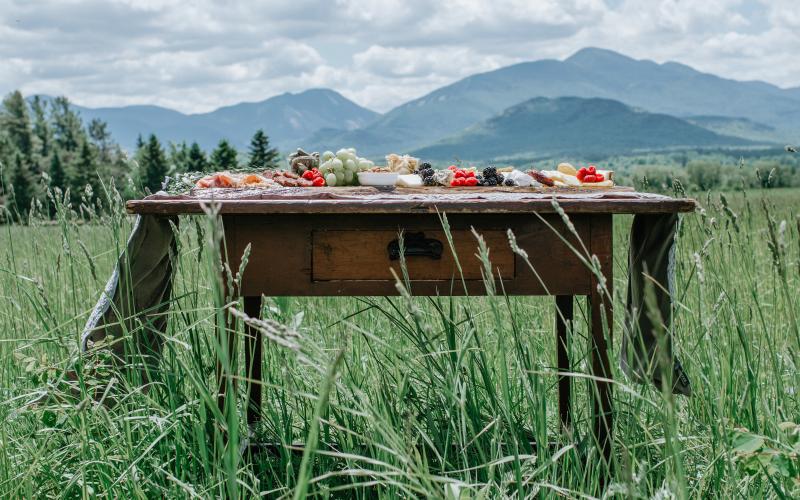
column 409, row 181
column 521, row 178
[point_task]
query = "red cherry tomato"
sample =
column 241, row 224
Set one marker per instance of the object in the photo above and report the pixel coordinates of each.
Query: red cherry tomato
column 592, row 169
column 470, row 173
column 471, row 181
column 581, row 174
column 590, row 178
column 460, row 173
column 308, row 174
column 318, row 181
column 600, row 177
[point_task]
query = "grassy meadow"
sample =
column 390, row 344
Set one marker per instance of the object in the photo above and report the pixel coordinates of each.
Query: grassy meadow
column 424, row 397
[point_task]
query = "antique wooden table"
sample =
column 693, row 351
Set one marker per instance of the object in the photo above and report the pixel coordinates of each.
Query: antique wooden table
column 343, row 241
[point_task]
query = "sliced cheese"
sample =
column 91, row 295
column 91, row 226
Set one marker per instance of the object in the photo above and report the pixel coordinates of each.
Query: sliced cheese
column 605, row 183
column 568, row 180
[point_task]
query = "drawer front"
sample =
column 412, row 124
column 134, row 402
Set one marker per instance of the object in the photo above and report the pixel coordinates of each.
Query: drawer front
column 372, row 254
column 335, row 256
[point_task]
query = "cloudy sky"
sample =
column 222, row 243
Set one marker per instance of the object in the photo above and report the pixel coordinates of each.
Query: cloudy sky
column 196, row 55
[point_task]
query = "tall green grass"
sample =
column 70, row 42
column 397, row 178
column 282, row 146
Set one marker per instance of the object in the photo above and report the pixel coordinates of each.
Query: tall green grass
column 405, row 396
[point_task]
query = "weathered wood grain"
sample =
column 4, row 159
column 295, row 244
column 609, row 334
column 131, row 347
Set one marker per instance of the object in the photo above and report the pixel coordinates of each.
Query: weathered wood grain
column 371, row 201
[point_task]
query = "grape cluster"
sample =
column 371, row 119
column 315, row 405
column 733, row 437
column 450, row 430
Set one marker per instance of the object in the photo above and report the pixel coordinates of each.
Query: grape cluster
column 340, row 168
column 490, row 177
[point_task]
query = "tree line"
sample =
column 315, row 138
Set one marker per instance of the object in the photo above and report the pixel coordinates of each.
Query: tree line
column 46, row 149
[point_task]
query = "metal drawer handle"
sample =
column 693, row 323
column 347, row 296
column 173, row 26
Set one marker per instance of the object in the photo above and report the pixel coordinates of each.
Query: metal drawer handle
column 416, row 245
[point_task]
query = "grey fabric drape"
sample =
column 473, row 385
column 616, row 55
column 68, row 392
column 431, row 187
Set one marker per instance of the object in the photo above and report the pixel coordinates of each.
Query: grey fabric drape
column 130, row 318
column 647, row 350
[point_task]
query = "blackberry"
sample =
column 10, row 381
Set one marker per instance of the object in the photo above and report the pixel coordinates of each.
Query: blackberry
column 490, row 181
column 426, row 172
column 429, row 181
column 509, row 182
column 489, row 172
column 425, row 166
column 500, row 178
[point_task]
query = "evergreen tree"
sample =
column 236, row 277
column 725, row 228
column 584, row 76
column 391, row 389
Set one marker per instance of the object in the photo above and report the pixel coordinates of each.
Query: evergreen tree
column 22, row 185
column 139, row 142
column 178, row 156
column 58, row 176
column 224, row 157
column 84, row 172
column 101, row 138
column 67, row 127
column 197, row 161
column 153, row 164
column 261, row 155
column 41, row 129
column 16, row 123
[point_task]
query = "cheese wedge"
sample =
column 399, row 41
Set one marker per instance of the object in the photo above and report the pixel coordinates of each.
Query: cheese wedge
column 567, row 180
column 567, row 168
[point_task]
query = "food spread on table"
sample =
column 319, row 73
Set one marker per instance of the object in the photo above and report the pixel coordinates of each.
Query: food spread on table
column 346, row 168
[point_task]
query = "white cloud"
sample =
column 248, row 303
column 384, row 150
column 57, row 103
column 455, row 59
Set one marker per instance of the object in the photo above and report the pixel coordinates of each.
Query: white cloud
column 195, row 56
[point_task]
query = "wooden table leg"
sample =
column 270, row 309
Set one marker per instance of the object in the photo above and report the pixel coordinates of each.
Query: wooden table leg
column 563, row 323
column 253, row 347
column 602, row 335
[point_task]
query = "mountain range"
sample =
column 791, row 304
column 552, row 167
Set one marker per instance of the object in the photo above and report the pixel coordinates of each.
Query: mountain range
column 287, row 119
column 669, row 88
column 704, row 109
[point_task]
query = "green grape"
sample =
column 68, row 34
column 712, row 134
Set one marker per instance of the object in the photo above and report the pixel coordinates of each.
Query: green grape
column 331, row 179
column 343, row 154
column 340, row 177
column 350, row 165
column 327, row 155
column 336, row 164
column 364, row 164
column 348, row 176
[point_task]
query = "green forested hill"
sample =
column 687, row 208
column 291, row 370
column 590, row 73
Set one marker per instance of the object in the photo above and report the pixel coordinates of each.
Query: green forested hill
column 542, row 127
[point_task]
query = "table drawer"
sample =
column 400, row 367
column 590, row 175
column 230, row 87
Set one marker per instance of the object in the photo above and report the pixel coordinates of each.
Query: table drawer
column 373, row 254
column 332, row 256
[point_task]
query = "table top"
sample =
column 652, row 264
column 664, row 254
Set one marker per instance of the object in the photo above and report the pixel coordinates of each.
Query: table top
column 369, row 200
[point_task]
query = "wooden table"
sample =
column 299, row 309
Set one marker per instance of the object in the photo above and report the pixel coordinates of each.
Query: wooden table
column 343, row 241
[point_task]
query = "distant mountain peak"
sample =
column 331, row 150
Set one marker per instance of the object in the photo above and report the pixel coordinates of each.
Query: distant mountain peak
column 597, row 54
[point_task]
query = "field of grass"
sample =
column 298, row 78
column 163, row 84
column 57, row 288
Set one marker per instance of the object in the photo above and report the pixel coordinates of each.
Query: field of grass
column 424, row 397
